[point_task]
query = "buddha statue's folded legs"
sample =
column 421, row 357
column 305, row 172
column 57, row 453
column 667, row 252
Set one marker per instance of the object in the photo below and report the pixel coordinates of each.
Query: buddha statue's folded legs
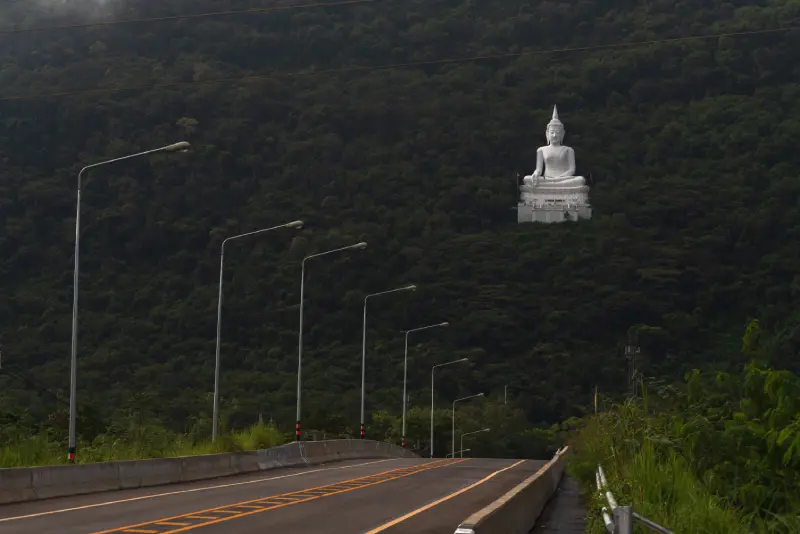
column 547, row 182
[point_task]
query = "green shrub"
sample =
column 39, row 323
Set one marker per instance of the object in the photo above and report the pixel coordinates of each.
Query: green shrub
column 717, row 456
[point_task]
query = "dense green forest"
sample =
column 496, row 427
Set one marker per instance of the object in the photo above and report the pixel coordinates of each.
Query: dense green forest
column 689, row 147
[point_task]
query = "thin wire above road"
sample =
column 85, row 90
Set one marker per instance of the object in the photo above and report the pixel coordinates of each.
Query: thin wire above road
column 370, row 68
column 182, row 17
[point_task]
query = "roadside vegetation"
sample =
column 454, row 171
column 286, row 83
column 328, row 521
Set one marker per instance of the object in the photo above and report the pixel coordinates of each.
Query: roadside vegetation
column 718, row 454
column 133, row 436
column 134, row 441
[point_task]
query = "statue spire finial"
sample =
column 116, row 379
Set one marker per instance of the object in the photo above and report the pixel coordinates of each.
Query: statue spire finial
column 555, row 121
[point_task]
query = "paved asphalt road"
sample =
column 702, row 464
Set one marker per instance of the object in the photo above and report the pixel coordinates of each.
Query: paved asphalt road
column 355, row 497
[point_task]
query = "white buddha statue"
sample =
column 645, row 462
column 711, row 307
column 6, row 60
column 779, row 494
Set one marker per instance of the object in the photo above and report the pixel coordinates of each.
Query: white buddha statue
column 555, row 163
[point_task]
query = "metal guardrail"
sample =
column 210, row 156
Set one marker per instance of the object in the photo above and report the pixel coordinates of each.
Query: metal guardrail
column 619, row 519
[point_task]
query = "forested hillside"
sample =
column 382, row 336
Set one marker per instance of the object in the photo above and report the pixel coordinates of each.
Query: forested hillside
column 689, row 146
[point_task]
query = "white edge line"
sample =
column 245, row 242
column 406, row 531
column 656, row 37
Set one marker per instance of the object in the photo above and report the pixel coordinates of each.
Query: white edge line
column 437, row 502
column 180, row 492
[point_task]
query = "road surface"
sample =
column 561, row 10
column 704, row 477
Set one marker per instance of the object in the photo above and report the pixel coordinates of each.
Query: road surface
column 355, row 497
column 565, row 513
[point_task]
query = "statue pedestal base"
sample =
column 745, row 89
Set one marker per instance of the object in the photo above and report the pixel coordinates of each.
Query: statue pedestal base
column 553, row 205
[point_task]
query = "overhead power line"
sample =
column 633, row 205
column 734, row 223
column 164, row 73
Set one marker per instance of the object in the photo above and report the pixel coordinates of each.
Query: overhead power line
column 33, row 385
column 370, row 68
column 182, row 17
column 25, row 378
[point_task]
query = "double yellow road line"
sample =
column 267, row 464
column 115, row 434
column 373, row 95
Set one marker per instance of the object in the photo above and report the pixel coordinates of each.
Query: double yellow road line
column 202, row 518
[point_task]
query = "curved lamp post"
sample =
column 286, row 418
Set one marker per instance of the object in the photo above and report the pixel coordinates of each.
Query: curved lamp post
column 405, row 371
column 433, row 370
column 73, row 368
column 467, row 434
column 358, row 246
column 364, row 343
column 453, row 432
column 215, row 422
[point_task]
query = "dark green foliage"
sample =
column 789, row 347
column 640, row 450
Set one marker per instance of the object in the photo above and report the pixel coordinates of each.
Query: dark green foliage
column 690, row 148
column 510, row 435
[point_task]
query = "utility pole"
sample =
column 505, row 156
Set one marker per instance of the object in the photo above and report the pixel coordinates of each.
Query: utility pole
column 632, row 352
column 505, row 395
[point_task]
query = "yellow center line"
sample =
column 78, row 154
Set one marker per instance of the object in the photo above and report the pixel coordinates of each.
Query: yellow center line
column 141, row 531
column 259, row 480
column 365, row 482
column 445, row 498
column 173, row 524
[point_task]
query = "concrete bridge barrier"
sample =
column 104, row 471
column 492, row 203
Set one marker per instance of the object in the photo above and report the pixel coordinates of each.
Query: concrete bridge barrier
column 36, row 483
column 516, row 512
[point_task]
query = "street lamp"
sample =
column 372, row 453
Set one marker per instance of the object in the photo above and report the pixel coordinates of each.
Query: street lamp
column 405, row 372
column 433, row 369
column 449, row 454
column 467, row 434
column 453, row 432
column 358, row 246
column 73, row 368
column 364, row 343
column 215, row 423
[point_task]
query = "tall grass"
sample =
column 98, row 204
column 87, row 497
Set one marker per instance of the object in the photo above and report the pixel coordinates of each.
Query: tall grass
column 134, row 442
column 643, row 458
column 659, row 485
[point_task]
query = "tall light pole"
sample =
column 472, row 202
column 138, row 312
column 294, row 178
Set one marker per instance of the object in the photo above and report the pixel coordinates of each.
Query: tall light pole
column 405, row 372
column 467, row 434
column 433, row 370
column 453, row 432
column 358, row 246
column 364, row 343
column 215, row 422
column 73, row 368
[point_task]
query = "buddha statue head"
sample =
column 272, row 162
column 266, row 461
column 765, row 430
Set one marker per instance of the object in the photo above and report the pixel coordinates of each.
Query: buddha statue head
column 555, row 130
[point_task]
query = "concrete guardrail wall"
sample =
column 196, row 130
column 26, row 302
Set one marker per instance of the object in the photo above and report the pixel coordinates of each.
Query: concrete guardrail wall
column 516, row 512
column 35, row 483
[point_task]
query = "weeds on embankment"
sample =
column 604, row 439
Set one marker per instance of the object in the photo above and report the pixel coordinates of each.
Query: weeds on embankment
column 133, row 442
column 658, row 485
column 720, row 456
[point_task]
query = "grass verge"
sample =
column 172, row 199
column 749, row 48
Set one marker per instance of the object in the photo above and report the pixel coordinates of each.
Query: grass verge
column 692, row 466
column 135, row 442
